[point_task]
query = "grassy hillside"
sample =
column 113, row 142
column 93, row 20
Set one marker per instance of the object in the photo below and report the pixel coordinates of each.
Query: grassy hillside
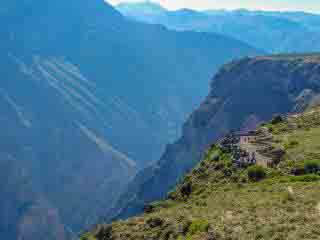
column 242, row 95
column 218, row 200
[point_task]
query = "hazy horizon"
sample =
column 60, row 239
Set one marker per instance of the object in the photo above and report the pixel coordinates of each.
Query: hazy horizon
column 312, row 6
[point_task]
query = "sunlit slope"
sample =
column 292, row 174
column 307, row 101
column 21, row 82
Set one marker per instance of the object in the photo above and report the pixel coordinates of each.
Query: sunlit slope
column 218, row 200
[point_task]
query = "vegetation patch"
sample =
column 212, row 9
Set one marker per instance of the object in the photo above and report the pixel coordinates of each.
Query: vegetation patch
column 220, row 201
column 198, row 226
column 257, row 173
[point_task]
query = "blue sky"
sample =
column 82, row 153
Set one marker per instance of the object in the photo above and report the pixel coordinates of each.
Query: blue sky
column 282, row 5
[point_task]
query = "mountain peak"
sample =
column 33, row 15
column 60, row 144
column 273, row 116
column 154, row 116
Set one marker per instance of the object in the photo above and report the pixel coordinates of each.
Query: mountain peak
column 37, row 7
column 143, row 4
column 143, row 7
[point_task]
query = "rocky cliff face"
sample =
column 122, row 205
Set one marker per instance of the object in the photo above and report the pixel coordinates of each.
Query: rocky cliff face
column 86, row 99
column 243, row 93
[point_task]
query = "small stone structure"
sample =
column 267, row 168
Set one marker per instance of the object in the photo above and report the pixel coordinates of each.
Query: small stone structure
column 246, row 137
column 232, row 143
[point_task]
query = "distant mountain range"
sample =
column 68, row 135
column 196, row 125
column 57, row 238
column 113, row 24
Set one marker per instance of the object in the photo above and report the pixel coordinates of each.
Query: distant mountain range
column 87, row 98
column 271, row 31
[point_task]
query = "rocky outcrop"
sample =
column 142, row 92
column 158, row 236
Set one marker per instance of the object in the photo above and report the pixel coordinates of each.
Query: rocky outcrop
column 252, row 88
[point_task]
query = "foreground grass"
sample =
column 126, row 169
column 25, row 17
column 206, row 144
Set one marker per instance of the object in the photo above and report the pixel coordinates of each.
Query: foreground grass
column 219, row 201
column 256, row 211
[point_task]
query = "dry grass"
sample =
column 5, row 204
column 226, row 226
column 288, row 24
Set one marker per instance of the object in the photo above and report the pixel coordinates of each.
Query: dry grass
column 217, row 201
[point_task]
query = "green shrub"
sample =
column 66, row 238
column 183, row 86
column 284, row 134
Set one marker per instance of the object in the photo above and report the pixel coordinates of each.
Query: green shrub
column 186, row 189
column 277, row 119
column 298, row 171
column 102, row 232
column 87, row 236
column 256, row 173
column 227, row 172
column 312, row 166
column 155, row 222
column 198, row 226
column 306, row 167
column 291, row 144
